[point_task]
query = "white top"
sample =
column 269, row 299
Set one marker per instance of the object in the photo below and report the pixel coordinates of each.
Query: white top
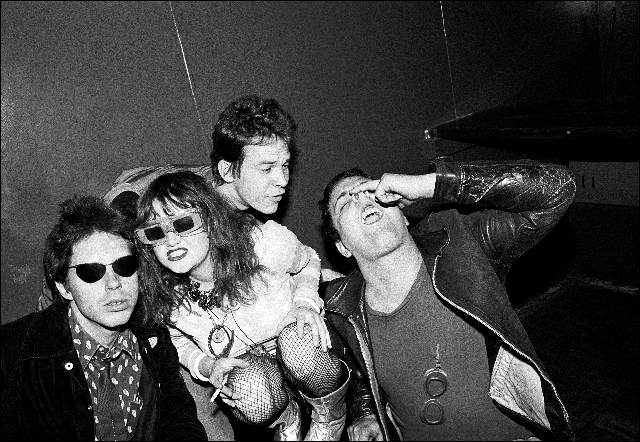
column 283, row 256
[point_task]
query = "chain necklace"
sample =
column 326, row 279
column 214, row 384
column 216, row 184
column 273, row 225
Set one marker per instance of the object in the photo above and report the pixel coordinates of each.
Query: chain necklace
column 255, row 349
column 204, row 298
column 219, row 332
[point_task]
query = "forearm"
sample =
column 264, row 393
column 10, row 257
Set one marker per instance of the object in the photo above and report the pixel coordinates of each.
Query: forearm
column 359, row 397
column 518, row 186
column 523, row 201
column 307, row 281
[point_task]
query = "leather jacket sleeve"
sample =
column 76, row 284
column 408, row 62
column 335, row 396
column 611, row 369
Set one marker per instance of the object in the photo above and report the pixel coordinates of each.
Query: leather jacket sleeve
column 361, row 403
column 522, row 201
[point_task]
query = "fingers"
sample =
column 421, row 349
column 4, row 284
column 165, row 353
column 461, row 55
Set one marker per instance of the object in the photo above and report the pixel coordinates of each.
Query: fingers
column 311, row 321
column 325, row 332
column 367, row 186
column 380, row 189
column 300, row 326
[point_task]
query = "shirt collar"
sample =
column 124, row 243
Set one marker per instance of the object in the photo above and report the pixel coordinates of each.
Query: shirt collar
column 88, row 348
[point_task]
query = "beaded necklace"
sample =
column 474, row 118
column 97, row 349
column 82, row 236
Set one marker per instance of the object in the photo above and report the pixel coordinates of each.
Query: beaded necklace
column 204, row 298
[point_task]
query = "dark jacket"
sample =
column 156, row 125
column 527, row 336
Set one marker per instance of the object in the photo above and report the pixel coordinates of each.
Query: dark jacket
column 45, row 395
column 468, row 257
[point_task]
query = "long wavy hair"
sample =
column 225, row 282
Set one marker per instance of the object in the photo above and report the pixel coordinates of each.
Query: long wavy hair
column 231, row 246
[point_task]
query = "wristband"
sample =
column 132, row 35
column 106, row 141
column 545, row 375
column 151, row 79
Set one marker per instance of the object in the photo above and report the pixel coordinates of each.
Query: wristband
column 309, row 301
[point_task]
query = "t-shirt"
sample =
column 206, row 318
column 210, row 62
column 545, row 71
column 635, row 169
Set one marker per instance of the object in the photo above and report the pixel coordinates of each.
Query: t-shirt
column 405, row 343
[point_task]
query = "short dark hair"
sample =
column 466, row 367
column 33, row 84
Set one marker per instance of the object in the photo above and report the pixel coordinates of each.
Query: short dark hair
column 328, row 226
column 80, row 217
column 248, row 120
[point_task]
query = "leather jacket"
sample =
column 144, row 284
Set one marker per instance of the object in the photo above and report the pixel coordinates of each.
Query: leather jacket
column 45, row 395
column 521, row 202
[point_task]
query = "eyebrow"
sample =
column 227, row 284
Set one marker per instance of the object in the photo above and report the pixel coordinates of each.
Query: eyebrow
column 342, row 195
column 272, row 161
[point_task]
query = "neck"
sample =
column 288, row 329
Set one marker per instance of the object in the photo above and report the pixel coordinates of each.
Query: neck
column 205, row 283
column 389, row 278
column 104, row 336
column 228, row 191
column 203, row 273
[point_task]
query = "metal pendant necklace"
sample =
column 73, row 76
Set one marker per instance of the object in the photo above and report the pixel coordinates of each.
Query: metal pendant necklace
column 219, row 332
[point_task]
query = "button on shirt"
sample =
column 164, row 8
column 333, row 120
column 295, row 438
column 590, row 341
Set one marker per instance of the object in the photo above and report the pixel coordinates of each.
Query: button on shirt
column 113, row 376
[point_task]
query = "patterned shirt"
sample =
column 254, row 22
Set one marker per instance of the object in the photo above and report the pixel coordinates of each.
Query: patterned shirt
column 111, row 371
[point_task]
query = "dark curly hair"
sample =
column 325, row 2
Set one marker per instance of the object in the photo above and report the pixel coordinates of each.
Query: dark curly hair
column 248, row 120
column 80, row 217
column 231, row 246
column 328, row 226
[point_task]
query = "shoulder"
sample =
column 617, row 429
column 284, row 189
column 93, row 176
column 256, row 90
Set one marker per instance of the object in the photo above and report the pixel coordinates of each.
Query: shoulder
column 343, row 294
column 37, row 334
column 153, row 337
column 276, row 246
column 274, row 231
column 16, row 330
column 138, row 179
column 49, row 320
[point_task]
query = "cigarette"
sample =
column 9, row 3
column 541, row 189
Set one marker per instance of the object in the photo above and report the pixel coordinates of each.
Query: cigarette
column 215, row 394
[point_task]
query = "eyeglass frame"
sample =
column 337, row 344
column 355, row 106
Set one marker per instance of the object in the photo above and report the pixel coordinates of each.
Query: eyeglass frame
column 104, row 268
column 166, row 224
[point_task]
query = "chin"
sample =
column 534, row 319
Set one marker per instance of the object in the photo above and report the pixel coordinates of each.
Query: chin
column 120, row 319
column 177, row 267
column 269, row 210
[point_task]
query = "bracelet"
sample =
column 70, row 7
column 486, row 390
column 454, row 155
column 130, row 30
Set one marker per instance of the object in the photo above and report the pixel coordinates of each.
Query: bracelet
column 309, row 301
column 196, row 371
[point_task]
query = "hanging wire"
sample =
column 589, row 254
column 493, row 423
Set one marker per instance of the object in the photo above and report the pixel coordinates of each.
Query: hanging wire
column 446, row 42
column 184, row 59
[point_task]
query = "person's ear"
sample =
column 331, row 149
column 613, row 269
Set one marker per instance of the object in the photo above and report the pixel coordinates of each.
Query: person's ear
column 224, row 168
column 343, row 249
column 63, row 292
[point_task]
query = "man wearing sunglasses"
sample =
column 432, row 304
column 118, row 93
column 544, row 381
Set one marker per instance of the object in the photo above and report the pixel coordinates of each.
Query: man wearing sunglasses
column 439, row 353
column 84, row 368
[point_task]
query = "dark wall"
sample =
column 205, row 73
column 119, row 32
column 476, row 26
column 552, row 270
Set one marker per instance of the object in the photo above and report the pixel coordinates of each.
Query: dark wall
column 92, row 88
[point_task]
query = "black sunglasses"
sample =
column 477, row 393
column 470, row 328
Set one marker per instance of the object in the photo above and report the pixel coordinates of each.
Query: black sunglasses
column 94, row 271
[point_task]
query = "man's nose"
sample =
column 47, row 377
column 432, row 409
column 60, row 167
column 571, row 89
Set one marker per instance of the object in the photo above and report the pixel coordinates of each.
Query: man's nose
column 112, row 279
column 281, row 177
column 363, row 197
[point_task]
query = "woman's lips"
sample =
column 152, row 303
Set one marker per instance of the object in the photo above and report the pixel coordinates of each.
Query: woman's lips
column 177, row 254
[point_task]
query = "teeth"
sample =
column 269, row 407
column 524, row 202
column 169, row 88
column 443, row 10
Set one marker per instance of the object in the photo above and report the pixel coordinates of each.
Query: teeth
column 370, row 215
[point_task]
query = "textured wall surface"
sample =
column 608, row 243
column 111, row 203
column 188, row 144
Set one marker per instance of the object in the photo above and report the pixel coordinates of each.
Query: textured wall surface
column 92, row 88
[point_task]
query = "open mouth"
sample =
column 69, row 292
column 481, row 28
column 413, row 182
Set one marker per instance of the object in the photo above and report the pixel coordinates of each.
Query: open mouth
column 371, row 214
column 176, row 255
